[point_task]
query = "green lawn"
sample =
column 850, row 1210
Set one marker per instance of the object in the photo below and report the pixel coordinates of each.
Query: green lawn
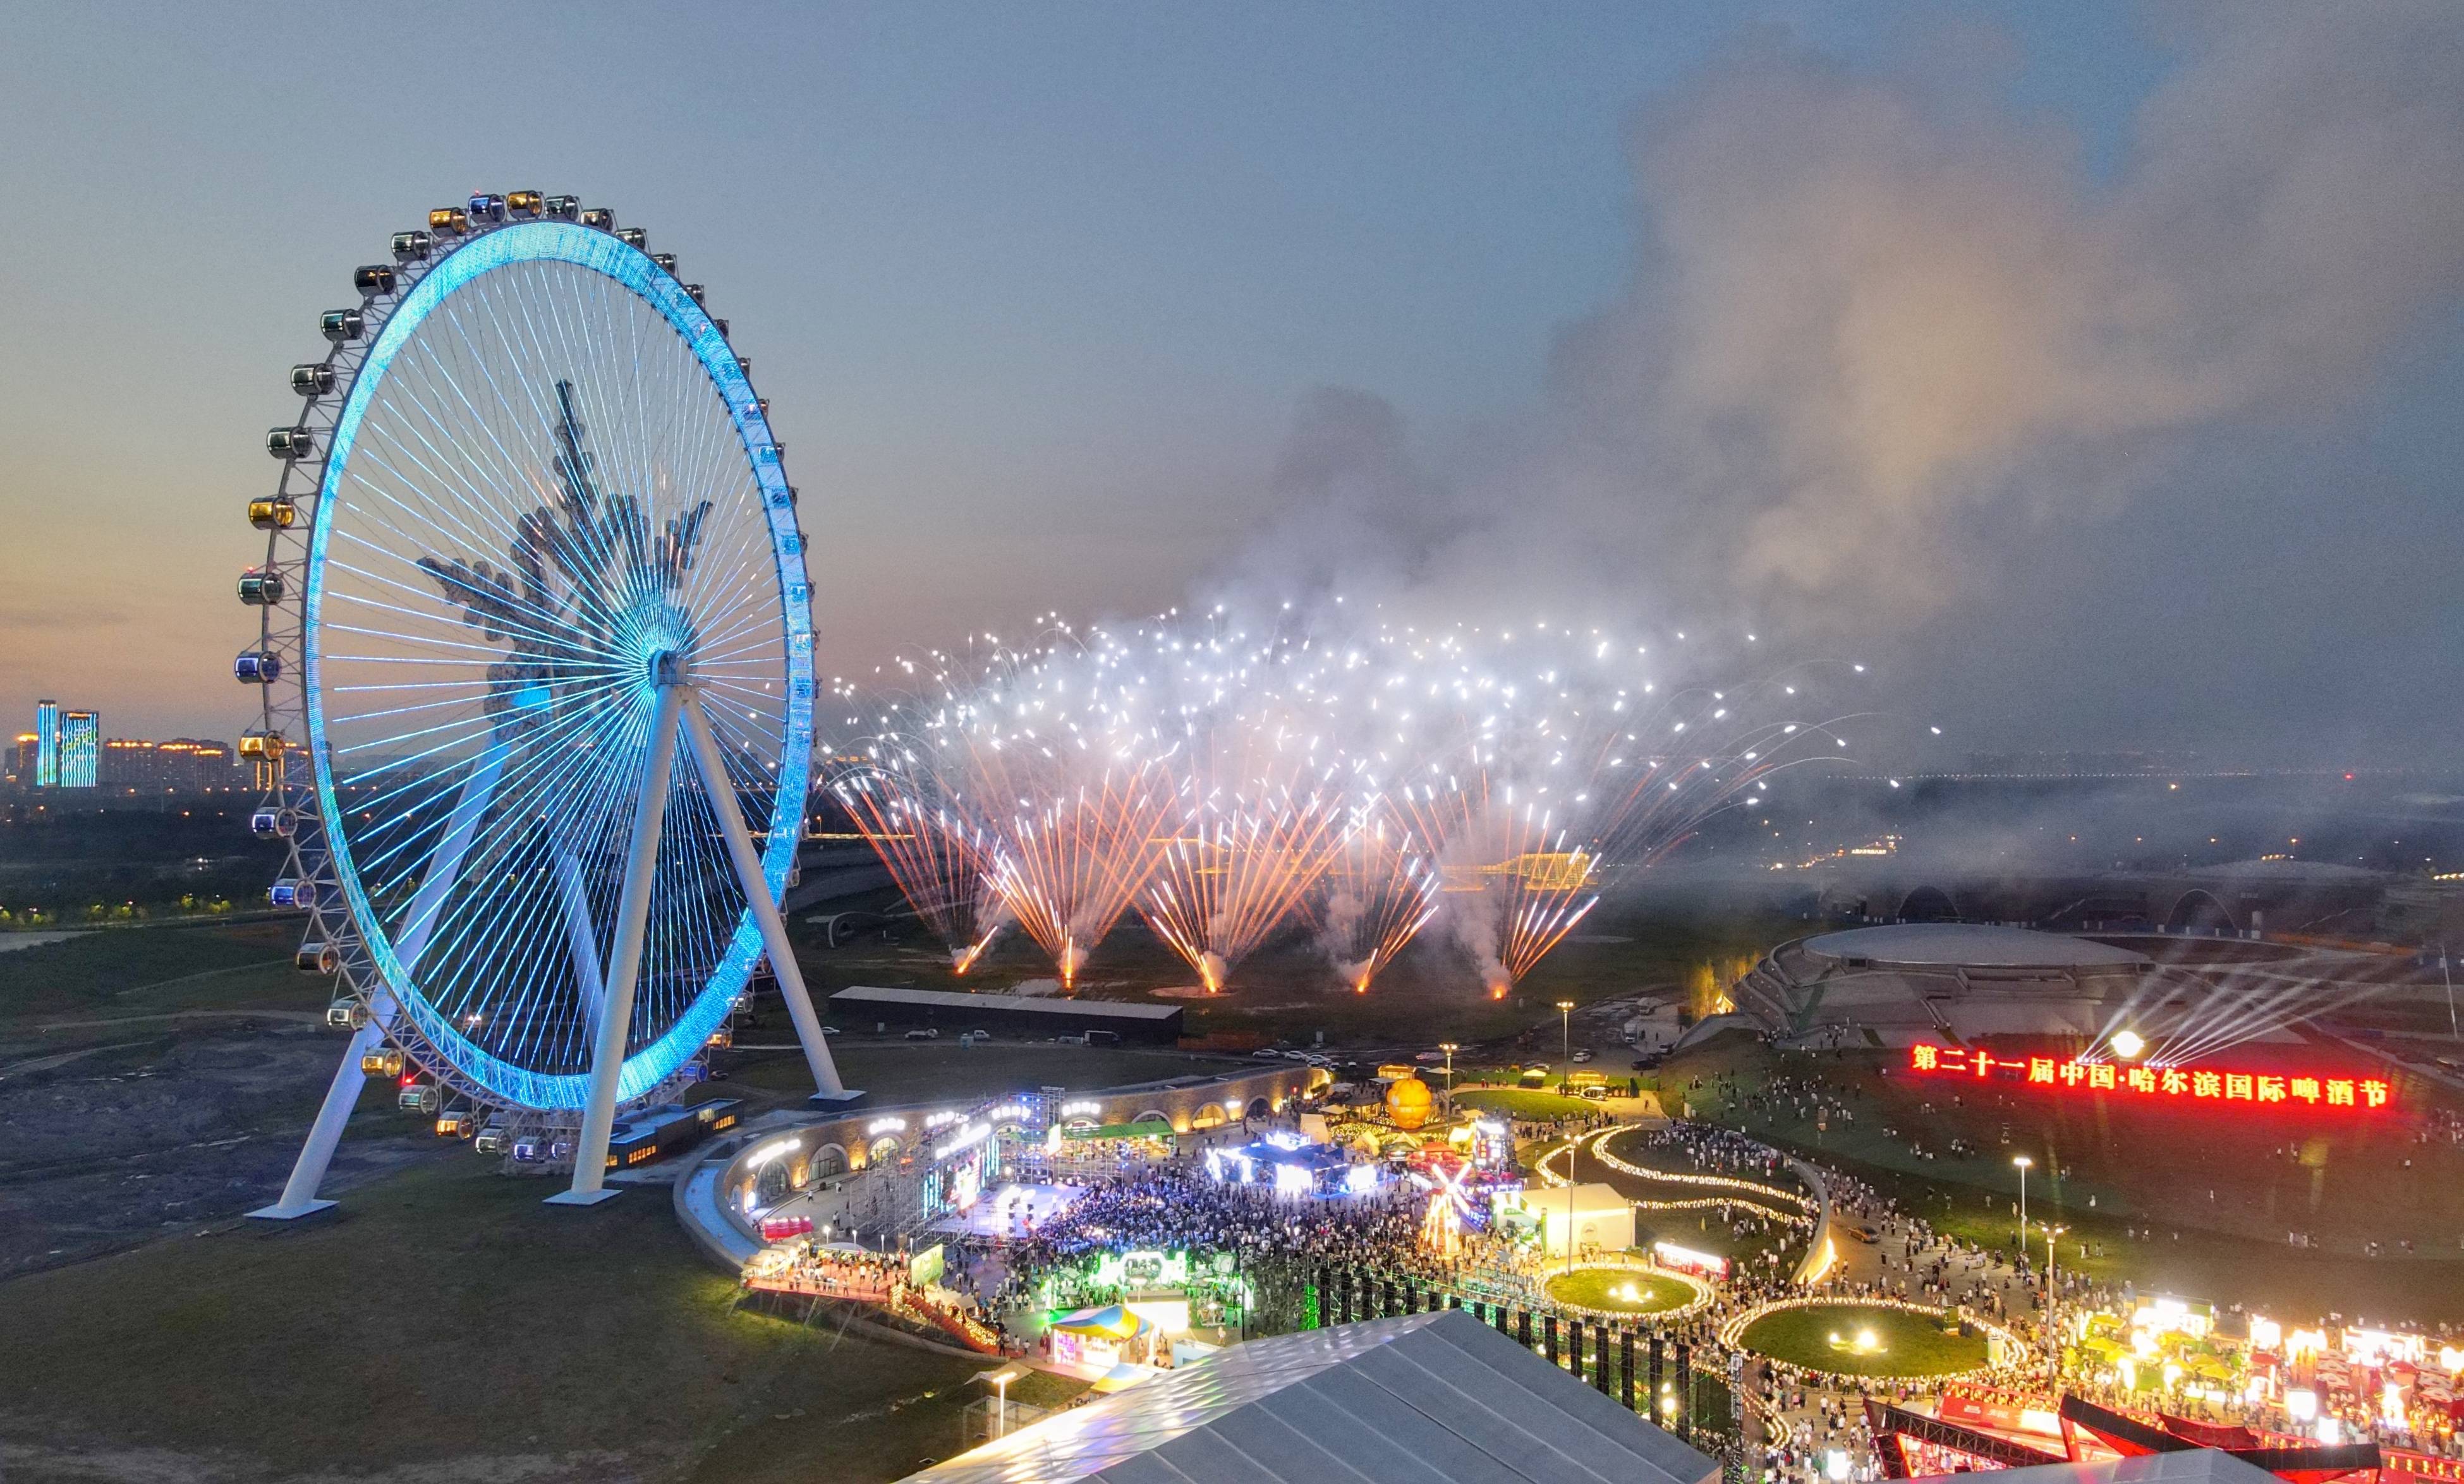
column 1524, row 1102
column 128, row 972
column 1910, row 1344
column 444, row 1323
column 1604, row 1289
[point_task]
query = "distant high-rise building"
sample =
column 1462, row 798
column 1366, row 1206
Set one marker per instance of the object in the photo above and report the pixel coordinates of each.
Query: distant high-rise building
column 130, row 766
column 193, row 764
column 183, row 765
column 46, row 744
column 81, row 750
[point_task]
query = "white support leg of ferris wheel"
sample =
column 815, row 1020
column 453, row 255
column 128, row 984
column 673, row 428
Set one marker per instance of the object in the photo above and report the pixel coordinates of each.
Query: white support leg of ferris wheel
column 581, row 937
column 308, row 1172
column 747, row 862
column 625, row 956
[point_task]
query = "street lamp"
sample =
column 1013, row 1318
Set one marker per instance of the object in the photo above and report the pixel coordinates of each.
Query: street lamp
column 2023, row 1161
column 1448, row 1047
column 2053, row 1343
column 1001, row 1380
column 1566, row 1037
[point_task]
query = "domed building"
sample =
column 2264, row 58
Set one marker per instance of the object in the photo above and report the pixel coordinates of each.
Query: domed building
column 1896, row 985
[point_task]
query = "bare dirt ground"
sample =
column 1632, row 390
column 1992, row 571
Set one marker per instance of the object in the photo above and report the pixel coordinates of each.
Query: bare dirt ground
column 168, row 1124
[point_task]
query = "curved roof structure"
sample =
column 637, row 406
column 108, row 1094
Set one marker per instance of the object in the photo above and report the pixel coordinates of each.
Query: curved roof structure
column 1968, row 946
column 1889, row 986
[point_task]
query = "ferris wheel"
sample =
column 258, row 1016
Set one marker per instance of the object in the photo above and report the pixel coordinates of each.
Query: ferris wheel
column 533, row 540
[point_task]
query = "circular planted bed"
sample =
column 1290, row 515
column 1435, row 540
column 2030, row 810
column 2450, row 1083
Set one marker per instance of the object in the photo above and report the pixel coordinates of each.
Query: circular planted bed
column 1622, row 1291
column 1852, row 1338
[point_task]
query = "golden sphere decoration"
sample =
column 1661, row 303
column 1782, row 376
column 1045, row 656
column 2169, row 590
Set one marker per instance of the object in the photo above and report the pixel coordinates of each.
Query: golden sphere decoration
column 1408, row 1103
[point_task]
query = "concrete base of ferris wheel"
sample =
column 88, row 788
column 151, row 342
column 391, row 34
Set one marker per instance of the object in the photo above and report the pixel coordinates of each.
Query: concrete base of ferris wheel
column 290, row 1213
column 583, row 1197
column 846, row 1101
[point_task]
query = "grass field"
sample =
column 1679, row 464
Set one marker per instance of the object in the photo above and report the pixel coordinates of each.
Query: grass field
column 1524, row 1102
column 446, row 1324
column 1911, row 1344
column 126, row 971
column 1604, row 1288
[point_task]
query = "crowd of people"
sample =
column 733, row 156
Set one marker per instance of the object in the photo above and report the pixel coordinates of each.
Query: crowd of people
column 1813, row 1417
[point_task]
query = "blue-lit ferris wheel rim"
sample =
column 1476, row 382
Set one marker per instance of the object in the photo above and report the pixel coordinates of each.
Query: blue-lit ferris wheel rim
column 583, row 247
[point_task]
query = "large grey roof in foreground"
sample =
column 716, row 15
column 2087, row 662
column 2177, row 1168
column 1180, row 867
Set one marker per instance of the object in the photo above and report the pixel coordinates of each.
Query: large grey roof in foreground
column 1423, row 1399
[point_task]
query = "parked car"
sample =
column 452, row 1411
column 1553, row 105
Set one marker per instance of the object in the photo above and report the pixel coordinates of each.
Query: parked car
column 926, row 1033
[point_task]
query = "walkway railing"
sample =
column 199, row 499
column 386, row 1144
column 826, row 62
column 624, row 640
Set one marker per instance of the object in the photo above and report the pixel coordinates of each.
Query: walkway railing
column 1634, row 1366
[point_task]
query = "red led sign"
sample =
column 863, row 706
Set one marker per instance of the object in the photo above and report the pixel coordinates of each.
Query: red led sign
column 2191, row 1083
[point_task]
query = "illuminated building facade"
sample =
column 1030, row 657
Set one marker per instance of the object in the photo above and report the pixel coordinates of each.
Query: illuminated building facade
column 46, row 744
column 81, row 750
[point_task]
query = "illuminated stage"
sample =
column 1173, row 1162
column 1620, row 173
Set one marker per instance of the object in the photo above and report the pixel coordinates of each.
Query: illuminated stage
column 1012, row 1210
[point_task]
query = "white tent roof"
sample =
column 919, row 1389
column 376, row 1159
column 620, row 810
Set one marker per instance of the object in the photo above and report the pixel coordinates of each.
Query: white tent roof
column 1423, row 1399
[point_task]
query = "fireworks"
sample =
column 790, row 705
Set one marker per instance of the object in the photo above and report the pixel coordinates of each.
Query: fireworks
column 1254, row 823
column 1228, row 781
column 941, row 862
column 1381, row 890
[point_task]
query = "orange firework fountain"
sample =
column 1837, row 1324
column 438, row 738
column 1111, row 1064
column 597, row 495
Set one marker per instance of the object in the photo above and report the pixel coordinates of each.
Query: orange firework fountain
column 1255, row 819
column 1068, row 868
column 935, row 856
column 1381, row 891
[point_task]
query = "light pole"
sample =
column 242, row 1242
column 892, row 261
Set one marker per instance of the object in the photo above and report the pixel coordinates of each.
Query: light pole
column 2023, row 1161
column 2449, row 975
column 1448, row 1047
column 1566, row 1037
column 1001, row 1380
column 2053, row 1345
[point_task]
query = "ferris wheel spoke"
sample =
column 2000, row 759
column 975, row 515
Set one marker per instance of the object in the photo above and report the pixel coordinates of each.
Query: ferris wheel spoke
column 567, row 643
column 390, row 761
column 437, row 479
column 438, row 490
column 484, row 939
column 585, row 478
column 515, row 473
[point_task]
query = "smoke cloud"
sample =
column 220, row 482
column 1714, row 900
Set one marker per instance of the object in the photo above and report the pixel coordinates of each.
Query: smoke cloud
column 1879, row 332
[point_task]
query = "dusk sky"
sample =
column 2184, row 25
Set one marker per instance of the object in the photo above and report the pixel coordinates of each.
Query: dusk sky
column 2092, row 369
